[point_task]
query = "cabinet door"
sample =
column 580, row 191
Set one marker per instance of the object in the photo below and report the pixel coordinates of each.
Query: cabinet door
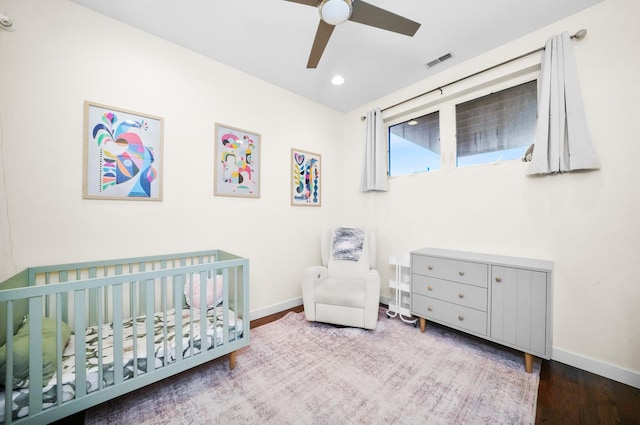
column 519, row 308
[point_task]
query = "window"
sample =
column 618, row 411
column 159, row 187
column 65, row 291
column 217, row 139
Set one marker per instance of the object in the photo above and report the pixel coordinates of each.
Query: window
column 414, row 145
column 499, row 126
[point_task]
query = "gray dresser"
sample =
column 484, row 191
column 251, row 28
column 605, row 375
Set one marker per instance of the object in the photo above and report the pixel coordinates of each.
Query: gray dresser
column 506, row 300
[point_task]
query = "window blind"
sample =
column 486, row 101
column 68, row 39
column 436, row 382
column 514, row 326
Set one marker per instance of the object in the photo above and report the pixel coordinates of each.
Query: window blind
column 498, row 121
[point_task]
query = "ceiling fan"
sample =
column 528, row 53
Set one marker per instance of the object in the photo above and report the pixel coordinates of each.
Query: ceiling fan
column 335, row 12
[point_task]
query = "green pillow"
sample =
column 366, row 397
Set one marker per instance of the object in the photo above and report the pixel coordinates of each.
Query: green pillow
column 21, row 352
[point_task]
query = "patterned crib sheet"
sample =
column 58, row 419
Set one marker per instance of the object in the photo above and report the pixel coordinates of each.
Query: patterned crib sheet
column 164, row 353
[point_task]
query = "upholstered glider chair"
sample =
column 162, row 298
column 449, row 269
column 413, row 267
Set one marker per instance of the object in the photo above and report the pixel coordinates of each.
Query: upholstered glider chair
column 345, row 289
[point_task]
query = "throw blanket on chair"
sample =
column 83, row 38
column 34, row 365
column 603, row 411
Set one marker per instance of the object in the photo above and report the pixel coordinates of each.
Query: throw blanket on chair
column 347, row 243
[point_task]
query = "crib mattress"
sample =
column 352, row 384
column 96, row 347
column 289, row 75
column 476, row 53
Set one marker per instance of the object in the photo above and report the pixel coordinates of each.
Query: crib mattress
column 164, row 353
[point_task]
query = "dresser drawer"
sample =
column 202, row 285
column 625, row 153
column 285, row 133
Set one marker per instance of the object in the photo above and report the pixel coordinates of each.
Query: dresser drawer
column 454, row 270
column 453, row 292
column 451, row 314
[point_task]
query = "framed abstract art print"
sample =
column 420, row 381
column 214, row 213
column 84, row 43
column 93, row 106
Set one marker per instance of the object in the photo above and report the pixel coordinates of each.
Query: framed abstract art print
column 237, row 162
column 306, row 183
column 122, row 154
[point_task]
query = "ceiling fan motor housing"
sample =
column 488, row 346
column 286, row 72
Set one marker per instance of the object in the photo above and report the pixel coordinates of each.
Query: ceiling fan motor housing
column 335, row 12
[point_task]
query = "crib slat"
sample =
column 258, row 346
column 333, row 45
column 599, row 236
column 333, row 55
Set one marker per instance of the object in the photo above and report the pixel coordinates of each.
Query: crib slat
column 178, row 284
column 93, row 319
column 59, row 348
column 164, row 307
column 98, row 322
column 191, row 317
column 203, row 310
column 150, row 295
column 214, row 325
column 142, row 289
column 236, row 294
column 35, row 354
column 117, row 334
column 63, row 276
column 47, row 307
column 131, row 287
column 225, row 311
column 79, row 302
column 134, row 325
column 8, row 382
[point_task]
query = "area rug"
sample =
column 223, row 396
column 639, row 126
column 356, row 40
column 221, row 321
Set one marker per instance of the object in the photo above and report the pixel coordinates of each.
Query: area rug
column 297, row 372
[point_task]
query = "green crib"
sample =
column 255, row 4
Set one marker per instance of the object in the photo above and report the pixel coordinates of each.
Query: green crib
column 76, row 335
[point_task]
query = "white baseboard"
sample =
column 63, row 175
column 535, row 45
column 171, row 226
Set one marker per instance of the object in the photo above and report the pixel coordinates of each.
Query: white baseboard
column 617, row 373
column 275, row 308
column 386, row 300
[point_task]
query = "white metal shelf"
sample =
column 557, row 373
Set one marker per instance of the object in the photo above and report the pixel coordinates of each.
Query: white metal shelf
column 400, row 306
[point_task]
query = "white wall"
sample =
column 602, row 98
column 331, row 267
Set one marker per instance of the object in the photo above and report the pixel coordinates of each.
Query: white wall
column 62, row 54
column 585, row 222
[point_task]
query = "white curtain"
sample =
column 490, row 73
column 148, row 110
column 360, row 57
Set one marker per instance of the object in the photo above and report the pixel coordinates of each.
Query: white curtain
column 562, row 138
column 375, row 161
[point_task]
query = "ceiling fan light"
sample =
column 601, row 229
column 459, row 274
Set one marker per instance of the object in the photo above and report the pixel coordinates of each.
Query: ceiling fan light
column 337, row 80
column 335, row 12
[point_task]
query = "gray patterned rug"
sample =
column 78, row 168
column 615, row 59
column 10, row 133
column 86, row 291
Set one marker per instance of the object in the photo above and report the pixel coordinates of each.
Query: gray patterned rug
column 296, row 372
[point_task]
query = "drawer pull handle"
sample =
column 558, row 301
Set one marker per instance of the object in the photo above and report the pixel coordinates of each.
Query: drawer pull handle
column 498, row 279
column 460, row 318
column 430, row 267
column 429, row 308
column 461, row 273
column 430, row 288
column 460, row 295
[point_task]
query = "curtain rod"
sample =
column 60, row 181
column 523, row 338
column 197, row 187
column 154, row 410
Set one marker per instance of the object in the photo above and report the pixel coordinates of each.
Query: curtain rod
column 578, row 36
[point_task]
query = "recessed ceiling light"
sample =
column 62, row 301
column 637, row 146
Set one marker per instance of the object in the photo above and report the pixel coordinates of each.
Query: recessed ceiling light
column 412, row 122
column 337, row 80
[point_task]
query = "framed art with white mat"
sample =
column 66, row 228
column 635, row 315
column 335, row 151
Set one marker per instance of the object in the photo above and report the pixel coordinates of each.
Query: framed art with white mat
column 237, row 162
column 306, row 182
column 122, row 154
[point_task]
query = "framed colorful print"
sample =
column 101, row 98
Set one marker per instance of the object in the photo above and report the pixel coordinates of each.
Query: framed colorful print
column 306, row 185
column 237, row 162
column 122, row 154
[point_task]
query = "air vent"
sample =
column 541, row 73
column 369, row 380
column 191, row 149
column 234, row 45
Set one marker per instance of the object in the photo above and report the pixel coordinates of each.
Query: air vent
column 438, row 60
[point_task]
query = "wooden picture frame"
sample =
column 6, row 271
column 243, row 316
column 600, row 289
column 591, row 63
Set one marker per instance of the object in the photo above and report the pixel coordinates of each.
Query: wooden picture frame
column 237, row 162
column 122, row 154
column 306, row 181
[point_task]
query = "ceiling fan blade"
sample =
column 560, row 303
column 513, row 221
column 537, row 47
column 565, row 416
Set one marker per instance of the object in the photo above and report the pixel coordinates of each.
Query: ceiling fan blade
column 322, row 38
column 367, row 14
column 313, row 3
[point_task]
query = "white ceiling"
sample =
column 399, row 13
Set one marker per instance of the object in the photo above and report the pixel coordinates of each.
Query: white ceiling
column 271, row 39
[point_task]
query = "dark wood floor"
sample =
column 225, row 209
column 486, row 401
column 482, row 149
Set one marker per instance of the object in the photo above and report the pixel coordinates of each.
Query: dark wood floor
column 566, row 395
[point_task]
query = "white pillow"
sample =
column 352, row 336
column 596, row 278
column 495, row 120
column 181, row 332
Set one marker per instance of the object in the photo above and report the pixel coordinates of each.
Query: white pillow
column 213, row 299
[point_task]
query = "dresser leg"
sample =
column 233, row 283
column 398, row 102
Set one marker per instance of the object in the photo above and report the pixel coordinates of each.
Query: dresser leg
column 423, row 324
column 528, row 362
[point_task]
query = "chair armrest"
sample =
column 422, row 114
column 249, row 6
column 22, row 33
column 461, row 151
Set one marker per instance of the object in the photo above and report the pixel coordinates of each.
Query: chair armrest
column 310, row 278
column 372, row 281
column 315, row 274
column 371, row 298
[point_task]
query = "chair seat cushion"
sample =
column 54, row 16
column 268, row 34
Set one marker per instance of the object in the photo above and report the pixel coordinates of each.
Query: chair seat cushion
column 344, row 292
